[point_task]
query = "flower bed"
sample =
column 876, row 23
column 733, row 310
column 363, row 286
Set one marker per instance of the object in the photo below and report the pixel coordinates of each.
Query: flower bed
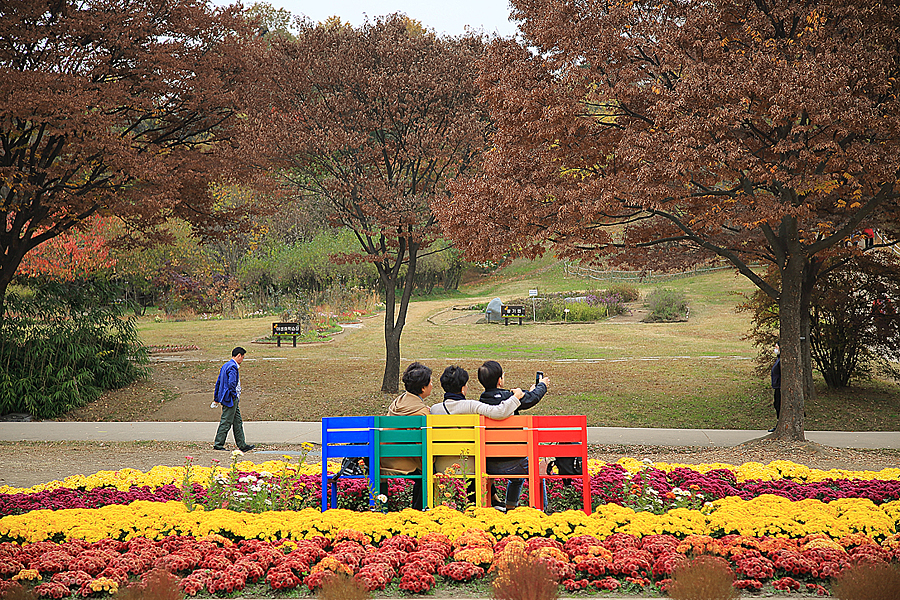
column 780, row 526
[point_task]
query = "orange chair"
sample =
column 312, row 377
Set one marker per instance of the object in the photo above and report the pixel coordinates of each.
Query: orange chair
column 509, row 438
column 559, row 436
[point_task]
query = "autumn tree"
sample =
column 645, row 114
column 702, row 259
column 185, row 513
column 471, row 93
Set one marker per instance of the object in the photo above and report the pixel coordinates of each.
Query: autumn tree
column 373, row 122
column 854, row 323
column 661, row 133
column 112, row 108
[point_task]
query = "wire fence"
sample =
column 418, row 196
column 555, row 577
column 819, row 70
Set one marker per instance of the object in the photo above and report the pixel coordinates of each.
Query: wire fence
column 637, row 276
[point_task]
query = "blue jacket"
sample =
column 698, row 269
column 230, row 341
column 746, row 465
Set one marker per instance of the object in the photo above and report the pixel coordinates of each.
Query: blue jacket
column 226, row 384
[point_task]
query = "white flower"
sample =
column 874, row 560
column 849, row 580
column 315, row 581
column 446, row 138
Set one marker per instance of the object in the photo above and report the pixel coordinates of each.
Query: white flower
column 236, row 452
column 244, row 479
column 647, row 462
column 265, row 474
column 381, row 498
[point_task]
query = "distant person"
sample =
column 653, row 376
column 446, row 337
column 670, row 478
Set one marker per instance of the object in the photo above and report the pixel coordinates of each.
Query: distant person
column 870, row 237
column 417, row 381
column 490, row 375
column 455, row 382
column 776, row 384
column 228, row 396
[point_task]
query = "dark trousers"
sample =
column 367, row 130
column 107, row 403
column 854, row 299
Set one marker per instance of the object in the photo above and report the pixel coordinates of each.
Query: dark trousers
column 777, row 403
column 516, row 466
column 231, row 419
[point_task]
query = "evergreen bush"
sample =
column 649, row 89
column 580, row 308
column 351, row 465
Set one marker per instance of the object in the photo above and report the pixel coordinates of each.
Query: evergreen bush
column 63, row 346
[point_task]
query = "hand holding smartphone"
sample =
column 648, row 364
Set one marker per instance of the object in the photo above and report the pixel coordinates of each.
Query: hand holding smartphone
column 537, row 377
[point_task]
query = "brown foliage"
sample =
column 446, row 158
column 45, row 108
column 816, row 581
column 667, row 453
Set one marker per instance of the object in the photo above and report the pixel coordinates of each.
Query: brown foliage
column 524, row 578
column 373, row 123
column 343, row 587
column 110, row 108
column 866, row 581
column 704, row 578
column 158, row 584
column 659, row 133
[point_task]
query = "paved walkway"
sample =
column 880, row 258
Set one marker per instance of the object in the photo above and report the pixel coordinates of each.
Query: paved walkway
column 294, row 432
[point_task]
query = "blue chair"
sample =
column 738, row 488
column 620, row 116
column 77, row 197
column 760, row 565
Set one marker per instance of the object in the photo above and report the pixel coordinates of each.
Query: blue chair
column 348, row 437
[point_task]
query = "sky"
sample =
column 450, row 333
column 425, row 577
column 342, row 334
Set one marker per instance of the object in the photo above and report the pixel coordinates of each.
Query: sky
column 446, row 17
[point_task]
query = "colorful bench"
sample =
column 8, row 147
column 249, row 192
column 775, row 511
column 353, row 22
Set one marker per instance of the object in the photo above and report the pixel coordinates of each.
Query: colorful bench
column 437, row 438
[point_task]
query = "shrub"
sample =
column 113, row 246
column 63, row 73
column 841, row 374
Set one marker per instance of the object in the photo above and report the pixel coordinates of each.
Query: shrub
column 628, row 292
column 704, row 578
column 343, row 587
column 591, row 305
column 523, row 578
column 62, row 347
column 868, row 581
column 666, row 305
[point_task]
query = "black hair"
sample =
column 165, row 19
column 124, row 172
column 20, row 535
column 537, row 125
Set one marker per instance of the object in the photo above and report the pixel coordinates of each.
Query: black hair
column 238, row 351
column 453, row 379
column 416, row 377
column 489, row 374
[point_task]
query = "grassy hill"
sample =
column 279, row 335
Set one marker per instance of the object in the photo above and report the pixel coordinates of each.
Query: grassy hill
column 621, row 372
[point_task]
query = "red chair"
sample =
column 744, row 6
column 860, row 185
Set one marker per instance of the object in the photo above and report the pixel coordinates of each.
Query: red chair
column 559, row 436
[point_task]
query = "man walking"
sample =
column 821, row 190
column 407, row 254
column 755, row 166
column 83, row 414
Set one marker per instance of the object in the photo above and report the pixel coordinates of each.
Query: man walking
column 228, row 395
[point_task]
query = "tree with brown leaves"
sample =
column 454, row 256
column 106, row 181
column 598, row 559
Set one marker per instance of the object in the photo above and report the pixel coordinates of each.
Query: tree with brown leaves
column 661, row 133
column 110, row 108
column 373, row 123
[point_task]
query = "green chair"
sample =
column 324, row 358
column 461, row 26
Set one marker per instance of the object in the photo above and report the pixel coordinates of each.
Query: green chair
column 403, row 437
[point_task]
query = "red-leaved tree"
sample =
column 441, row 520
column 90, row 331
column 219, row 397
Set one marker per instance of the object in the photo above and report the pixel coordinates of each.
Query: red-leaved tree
column 662, row 133
column 113, row 108
column 372, row 122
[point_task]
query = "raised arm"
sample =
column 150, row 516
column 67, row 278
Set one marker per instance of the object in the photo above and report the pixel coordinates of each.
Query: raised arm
column 498, row 411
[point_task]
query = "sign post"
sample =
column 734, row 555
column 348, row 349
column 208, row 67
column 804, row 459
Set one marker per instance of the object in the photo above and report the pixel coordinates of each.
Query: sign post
column 533, row 294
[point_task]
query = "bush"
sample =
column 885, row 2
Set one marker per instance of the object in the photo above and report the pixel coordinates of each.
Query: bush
column 704, row 578
column 628, row 292
column 865, row 581
column 63, row 346
column 592, row 305
column 666, row 305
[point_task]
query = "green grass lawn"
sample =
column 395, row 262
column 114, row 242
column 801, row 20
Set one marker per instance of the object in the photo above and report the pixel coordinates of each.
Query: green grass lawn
column 696, row 374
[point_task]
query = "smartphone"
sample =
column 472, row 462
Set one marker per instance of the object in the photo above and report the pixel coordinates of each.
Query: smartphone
column 537, row 377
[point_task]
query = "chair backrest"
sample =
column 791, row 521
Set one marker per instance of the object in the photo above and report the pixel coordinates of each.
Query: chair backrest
column 402, row 436
column 560, row 436
column 510, row 437
column 449, row 438
column 347, row 437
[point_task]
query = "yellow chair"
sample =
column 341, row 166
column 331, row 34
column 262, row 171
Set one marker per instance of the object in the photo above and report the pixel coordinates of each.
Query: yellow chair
column 509, row 438
column 450, row 439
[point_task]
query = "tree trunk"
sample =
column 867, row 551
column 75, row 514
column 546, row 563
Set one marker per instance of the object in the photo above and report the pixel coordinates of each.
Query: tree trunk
column 793, row 378
column 391, row 380
column 394, row 328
